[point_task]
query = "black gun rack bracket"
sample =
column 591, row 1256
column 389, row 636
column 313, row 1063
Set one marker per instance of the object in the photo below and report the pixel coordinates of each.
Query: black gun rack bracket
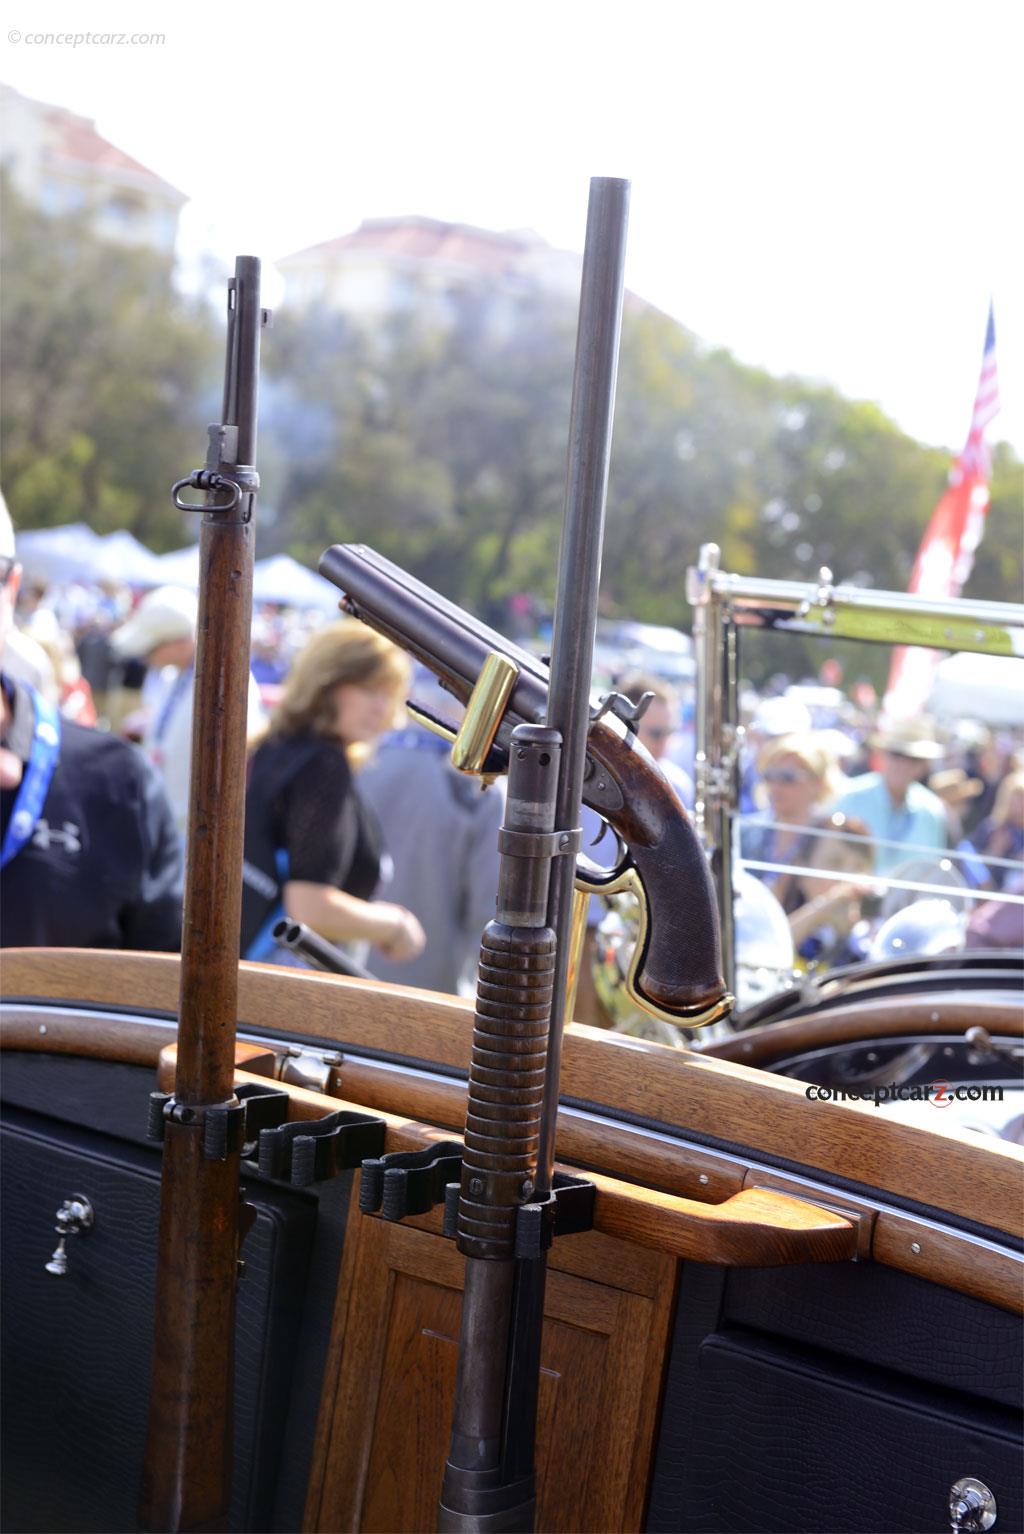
column 406, row 1183
column 300, row 1151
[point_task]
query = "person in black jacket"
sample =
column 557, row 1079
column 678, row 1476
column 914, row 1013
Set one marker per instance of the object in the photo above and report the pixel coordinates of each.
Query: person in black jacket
column 89, row 854
column 313, row 850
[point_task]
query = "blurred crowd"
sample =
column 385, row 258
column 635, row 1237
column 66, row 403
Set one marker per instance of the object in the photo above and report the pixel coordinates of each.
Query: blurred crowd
column 358, row 825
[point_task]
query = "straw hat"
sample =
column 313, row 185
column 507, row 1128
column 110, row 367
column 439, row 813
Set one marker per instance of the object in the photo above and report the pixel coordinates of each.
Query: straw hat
column 954, row 786
column 908, row 737
column 162, row 616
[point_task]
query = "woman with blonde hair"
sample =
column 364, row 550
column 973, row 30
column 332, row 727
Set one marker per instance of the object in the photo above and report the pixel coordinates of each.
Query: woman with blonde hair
column 800, row 777
column 313, row 850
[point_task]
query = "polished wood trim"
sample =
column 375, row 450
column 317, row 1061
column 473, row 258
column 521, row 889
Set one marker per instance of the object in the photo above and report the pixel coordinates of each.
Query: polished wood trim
column 976, row 1180
column 415, row 1103
column 616, row 1148
column 97, row 1036
column 879, row 1018
column 978, row 1268
column 362, row 1013
column 753, row 1228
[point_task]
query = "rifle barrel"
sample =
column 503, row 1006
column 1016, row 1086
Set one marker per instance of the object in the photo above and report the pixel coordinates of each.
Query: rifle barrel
column 579, row 575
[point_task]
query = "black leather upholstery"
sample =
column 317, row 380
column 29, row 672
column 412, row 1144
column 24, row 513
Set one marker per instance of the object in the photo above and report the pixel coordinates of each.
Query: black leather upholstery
column 76, row 1350
column 839, row 1398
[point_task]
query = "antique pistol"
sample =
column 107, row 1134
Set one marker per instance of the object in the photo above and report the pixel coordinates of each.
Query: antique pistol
column 676, row 969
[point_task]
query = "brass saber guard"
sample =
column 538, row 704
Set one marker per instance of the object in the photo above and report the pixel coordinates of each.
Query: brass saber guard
column 626, row 881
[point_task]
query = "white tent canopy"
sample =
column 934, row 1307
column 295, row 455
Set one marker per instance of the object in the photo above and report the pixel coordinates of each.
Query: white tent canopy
column 282, row 579
column 989, row 688
column 179, row 568
column 61, row 555
column 121, row 557
column 58, row 555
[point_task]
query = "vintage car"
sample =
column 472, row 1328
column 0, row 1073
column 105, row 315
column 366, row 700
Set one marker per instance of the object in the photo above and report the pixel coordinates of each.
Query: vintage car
column 783, row 1306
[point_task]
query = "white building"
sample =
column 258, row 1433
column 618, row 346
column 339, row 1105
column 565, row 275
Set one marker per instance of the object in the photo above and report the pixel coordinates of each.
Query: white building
column 58, row 162
column 391, row 264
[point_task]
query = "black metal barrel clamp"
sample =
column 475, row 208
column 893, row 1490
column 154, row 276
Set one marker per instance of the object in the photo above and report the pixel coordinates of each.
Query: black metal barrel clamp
column 226, row 1127
column 406, row 1183
column 309, row 1150
column 256, row 1126
column 567, row 1211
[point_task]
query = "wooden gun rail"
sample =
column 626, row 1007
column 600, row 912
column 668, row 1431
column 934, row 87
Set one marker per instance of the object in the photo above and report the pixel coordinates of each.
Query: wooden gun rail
column 770, row 1222
column 752, row 1228
column 977, row 1181
column 930, row 1250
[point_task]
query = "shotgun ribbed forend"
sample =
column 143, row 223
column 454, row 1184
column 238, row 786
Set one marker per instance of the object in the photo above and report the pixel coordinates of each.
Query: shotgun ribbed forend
column 506, row 1085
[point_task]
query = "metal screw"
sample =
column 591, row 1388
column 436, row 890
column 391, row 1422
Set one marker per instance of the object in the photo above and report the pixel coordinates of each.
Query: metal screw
column 563, row 840
column 527, row 1187
column 476, row 1186
column 915, row 1247
column 333, row 1057
column 704, row 1178
column 42, row 1027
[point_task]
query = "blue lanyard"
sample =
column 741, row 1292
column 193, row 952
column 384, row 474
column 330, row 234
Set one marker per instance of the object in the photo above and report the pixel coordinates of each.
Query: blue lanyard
column 175, row 693
column 35, row 781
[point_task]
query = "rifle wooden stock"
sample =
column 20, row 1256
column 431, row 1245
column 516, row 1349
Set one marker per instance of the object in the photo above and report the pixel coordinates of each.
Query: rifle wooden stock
column 680, row 967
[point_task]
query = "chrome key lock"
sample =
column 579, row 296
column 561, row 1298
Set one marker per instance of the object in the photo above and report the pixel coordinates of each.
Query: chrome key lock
column 75, row 1217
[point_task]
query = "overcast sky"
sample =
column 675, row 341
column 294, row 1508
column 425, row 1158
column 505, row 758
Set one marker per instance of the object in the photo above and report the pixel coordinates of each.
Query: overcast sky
column 827, row 188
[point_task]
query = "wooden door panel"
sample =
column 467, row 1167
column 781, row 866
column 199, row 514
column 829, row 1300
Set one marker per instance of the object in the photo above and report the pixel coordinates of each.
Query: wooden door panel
column 384, row 1443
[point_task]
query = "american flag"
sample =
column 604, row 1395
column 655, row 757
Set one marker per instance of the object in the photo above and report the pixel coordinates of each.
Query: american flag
column 946, row 555
column 975, row 456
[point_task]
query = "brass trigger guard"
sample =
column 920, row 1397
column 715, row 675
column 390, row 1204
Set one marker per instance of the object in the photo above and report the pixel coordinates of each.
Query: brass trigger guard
column 625, row 880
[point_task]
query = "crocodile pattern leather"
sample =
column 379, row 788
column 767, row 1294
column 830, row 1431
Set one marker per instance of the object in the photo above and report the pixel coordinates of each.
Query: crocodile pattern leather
column 76, row 1350
column 761, row 1435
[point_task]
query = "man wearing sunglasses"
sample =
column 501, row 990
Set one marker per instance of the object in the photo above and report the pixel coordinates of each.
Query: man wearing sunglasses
column 657, row 725
column 903, row 815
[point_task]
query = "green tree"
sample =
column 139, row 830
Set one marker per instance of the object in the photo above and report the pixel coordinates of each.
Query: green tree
column 109, row 379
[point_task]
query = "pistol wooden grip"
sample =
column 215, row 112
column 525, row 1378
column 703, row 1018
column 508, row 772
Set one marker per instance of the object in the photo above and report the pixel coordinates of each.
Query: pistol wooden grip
column 680, row 969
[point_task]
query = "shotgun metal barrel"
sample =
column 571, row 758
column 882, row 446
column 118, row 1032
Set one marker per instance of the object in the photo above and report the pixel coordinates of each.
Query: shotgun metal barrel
column 296, row 937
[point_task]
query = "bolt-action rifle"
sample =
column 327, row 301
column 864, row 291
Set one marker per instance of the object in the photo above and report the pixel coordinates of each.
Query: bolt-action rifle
column 187, row 1473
